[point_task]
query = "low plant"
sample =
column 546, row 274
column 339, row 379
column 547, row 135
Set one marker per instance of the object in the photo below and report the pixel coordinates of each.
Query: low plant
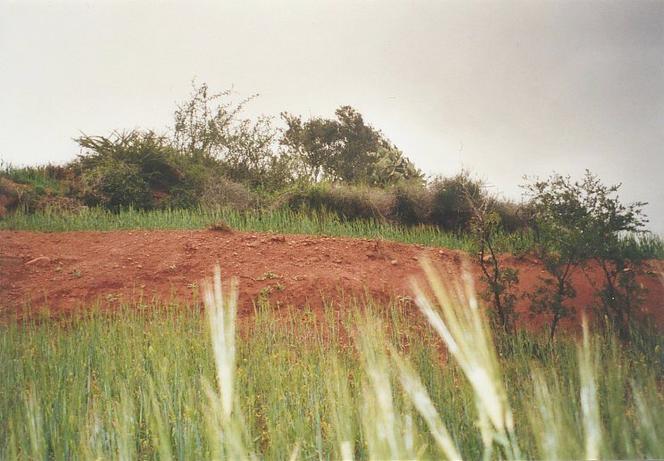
column 500, row 280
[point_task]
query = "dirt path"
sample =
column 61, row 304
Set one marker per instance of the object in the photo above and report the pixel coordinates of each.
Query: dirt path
column 65, row 271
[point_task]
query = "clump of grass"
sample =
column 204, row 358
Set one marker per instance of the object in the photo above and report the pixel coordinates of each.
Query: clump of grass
column 226, row 427
column 220, row 226
column 468, row 339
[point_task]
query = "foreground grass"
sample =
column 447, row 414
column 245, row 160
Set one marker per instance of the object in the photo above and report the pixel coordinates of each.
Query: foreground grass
column 281, row 221
column 141, row 384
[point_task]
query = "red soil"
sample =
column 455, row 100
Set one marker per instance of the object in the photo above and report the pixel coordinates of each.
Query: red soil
column 68, row 271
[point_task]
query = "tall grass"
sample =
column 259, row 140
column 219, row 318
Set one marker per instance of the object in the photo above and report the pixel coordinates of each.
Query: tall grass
column 370, row 383
column 282, row 221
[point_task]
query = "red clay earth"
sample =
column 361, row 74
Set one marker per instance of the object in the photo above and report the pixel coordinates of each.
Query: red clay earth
column 72, row 270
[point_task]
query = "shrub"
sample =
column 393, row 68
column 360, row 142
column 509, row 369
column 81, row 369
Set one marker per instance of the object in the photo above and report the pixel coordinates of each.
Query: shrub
column 40, row 188
column 412, row 204
column 43, row 179
column 114, row 184
column 348, row 202
column 450, row 209
column 14, row 196
column 8, row 196
column 221, row 192
column 142, row 170
column 211, row 126
column 382, row 200
column 511, row 219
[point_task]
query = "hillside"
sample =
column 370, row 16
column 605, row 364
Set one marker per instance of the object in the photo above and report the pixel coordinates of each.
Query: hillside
column 67, row 270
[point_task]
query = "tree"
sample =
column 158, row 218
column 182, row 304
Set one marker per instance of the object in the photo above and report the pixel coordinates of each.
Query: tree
column 574, row 221
column 314, row 143
column 345, row 149
column 559, row 219
column 617, row 254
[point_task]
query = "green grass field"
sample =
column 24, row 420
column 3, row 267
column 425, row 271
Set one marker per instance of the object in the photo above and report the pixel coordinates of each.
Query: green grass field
column 280, row 221
column 361, row 382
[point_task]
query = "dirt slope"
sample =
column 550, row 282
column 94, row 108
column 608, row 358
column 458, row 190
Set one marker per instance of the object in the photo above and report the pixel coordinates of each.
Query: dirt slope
column 65, row 271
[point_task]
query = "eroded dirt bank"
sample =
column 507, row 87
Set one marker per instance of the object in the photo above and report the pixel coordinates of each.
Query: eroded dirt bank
column 67, row 271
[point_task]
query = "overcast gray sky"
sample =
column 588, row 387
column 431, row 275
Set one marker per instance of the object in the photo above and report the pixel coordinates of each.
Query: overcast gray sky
column 501, row 88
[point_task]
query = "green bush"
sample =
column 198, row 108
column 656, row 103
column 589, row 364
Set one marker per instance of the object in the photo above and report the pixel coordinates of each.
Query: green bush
column 412, row 204
column 141, row 170
column 114, row 184
column 510, row 215
column 450, row 209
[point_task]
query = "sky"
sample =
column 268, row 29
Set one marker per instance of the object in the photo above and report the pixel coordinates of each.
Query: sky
column 503, row 89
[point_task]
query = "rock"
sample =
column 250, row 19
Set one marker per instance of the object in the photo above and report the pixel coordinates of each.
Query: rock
column 40, row 260
column 220, row 226
column 394, row 262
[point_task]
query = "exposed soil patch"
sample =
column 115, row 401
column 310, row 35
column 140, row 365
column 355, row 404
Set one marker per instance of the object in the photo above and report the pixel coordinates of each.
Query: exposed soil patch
column 70, row 270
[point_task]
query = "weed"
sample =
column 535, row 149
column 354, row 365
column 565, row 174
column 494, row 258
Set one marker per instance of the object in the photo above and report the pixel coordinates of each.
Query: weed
column 268, row 276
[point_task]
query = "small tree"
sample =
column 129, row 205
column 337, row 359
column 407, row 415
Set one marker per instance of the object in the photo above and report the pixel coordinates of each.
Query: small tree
column 313, row 143
column 559, row 219
column 345, row 149
column 621, row 294
column 210, row 126
column 485, row 225
column 612, row 226
column 575, row 221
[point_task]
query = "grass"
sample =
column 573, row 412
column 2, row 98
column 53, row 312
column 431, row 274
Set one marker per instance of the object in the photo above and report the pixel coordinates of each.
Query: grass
column 281, row 221
column 369, row 383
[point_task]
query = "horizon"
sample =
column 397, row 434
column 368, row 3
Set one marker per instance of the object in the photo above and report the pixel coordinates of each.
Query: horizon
column 501, row 89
